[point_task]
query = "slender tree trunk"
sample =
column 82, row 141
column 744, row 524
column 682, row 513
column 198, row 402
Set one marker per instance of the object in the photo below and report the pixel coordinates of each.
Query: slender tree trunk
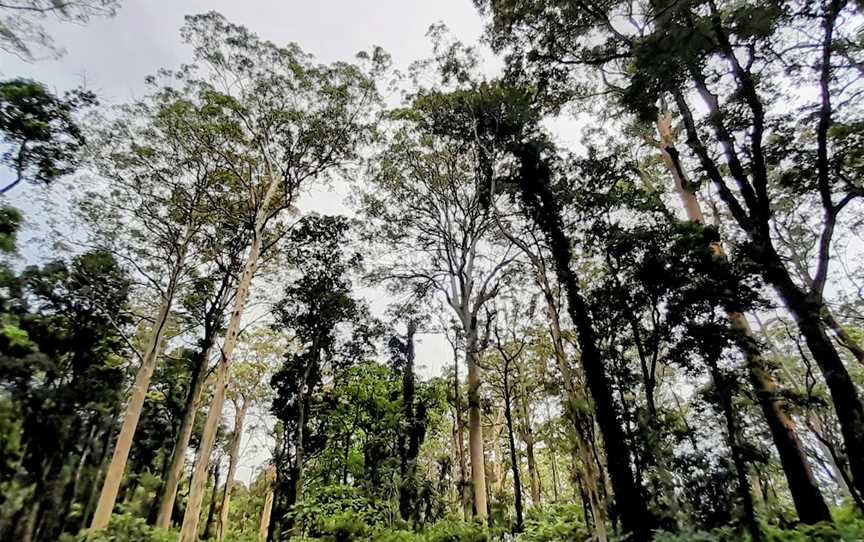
column 575, row 397
column 184, row 434
column 514, row 460
column 233, row 457
column 724, row 398
column 264, row 526
column 808, row 499
column 189, row 531
column 528, row 437
column 209, row 525
column 475, row 428
column 117, row 467
column 534, row 180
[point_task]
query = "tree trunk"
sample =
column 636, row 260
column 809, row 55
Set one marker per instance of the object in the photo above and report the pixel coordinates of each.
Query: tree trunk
column 808, row 499
column 211, row 510
column 514, row 461
column 265, row 516
column 534, row 180
column 460, row 446
column 724, row 398
column 117, row 467
column 189, row 531
column 233, row 457
column 575, row 397
column 528, row 437
column 475, row 428
column 184, row 434
column 805, row 306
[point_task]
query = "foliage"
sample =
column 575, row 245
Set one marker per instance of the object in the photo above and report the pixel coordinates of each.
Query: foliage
column 124, row 528
column 558, row 523
column 40, row 130
column 21, row 31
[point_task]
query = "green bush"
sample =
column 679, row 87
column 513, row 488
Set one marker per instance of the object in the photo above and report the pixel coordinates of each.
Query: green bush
column 455, row 531
column 124, row 528
column 558, row 523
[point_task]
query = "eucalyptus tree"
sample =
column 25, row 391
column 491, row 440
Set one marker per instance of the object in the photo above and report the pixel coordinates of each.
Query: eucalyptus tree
column 205, row 306
column 425, row 208
column 150, row 214
column 278, row 121
column 725, row 66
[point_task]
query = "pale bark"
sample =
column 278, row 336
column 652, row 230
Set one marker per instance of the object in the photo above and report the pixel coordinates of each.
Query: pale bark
column 189, row 531
column 233, row 456
column 178, row 455
column 475, row 429
column 117, row 467
column 268, row 505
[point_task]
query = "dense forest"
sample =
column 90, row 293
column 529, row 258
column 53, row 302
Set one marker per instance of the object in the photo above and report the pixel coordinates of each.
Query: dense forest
column 654, row 331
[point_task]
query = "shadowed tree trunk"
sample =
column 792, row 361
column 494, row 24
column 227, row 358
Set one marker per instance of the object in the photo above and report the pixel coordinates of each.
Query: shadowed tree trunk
column 806, row 495
column 541, row 205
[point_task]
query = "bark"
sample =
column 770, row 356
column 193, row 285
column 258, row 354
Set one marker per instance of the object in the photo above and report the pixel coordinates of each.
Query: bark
column 233, row 457
column 117, row 467
column 189, row 530
column 808, row 499
column 184, row 434
column 211, row 511
column 540, row 203
column 514, row 461
column 475, row 428
column 264, row 526
column 528, row 438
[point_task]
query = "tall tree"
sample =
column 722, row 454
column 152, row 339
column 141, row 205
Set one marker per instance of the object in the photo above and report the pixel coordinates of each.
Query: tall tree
column 689, row 53
column 272, row 146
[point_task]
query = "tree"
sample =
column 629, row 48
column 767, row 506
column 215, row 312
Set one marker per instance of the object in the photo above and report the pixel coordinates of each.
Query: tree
column 41, row 131
column 257, row 358
column 690, row 56
column 270, row 147
column 61, row 361
column 316, row 308
column 152, row 215
column 426, row 209
column 22, row 35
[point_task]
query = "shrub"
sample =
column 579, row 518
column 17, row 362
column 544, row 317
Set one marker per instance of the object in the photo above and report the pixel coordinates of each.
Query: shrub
column 124, row 528
column 557, row 523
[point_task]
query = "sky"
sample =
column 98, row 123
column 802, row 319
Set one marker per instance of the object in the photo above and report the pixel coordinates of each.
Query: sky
column 112, row 57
